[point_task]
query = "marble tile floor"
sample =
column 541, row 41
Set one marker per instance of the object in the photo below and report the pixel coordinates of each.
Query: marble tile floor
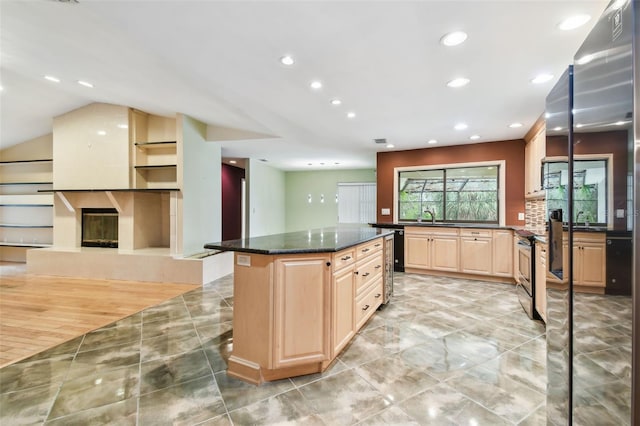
column 444, row 351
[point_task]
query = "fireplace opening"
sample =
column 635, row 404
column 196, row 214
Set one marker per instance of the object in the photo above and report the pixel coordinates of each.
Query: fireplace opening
column 100, row 228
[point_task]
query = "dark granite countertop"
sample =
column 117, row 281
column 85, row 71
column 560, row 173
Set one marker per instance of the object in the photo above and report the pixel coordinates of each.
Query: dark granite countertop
column 324, row 240
column 427, row 224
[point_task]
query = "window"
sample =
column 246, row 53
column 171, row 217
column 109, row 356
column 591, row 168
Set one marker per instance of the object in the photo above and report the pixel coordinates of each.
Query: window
column 589, row 190
column 356, row 202
column 454, row 194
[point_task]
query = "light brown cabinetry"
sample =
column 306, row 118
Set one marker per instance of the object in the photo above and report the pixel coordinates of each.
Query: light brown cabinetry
column 301, row 298
column 432, row 248
column 343, row 300
column 534, row 152
column 502, row 251
column 541, row 279
column 589, row 260
column 476, row 251
column 293, row 314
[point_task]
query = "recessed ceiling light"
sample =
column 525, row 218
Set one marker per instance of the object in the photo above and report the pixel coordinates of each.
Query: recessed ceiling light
column 232, row 161
column 123, row 126
column 85, row 83
column 474, row 137
column 336, row 101
column 52, row 78
column 390, row 145
column 515, row 125
column 315, row 85
column 574, row 22
column 541, row 78
column 1, row 88
column 351, row 114
column 101, row 132
column 287, row 60
column 458, row 82
column 557, row 129
column 454, row 38
column 432, row 141
column 460, row 126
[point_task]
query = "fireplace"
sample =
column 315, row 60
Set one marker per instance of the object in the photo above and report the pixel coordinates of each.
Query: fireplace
column 99, row 228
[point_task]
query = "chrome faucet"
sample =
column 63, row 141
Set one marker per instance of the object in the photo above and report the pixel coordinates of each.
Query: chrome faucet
column 433, row 215
column 578, row 216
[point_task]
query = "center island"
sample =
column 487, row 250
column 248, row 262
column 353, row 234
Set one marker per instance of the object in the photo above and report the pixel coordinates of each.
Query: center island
column 300, row 297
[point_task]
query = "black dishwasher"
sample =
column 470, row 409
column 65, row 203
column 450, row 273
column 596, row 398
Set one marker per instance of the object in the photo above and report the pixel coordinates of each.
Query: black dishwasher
column 619, row 263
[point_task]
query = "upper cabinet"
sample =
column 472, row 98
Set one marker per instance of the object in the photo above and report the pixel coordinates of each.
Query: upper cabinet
column 534, row 153
column 154, row 151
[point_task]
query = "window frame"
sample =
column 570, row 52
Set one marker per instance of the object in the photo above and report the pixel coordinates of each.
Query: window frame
column 501, row 164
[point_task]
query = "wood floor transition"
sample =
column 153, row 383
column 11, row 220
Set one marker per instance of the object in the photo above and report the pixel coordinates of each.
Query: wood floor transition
column 38, row 312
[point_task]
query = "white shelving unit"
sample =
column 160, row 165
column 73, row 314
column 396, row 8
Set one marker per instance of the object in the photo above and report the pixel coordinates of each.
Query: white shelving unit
column 26, row 213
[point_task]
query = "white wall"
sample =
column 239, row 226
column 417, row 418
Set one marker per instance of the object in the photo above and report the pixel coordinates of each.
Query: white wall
column 202, row 187
column 85, row 159
column 266, row 199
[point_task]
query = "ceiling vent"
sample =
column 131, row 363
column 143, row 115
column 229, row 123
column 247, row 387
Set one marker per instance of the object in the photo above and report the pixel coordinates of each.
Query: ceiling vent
column 383, row 140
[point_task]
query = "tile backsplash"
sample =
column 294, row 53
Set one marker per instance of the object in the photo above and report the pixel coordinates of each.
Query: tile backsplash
column 536, row 215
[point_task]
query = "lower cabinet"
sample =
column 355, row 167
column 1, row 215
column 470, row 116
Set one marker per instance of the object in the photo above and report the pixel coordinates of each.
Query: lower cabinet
column 343, row 320
column 475, row 251
column 589, row 259
column 301, row 299
column 541, row 280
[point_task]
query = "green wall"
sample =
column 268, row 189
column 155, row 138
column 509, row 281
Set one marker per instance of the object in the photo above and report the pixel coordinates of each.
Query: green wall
column 302, row 215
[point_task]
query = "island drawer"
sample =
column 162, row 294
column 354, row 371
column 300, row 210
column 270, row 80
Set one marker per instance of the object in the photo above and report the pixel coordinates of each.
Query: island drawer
column 367, row 304
column 367, row 271
column 369, row 248
column 344, row 258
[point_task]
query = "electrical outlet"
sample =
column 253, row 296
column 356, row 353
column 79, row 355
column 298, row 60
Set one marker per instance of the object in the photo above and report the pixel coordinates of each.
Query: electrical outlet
column 620, row 213
column 520, row 216
column 385, row 212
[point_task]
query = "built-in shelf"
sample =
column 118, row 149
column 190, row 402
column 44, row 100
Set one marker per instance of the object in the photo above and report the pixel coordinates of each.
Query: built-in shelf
column 151, row 145
column 48, row 160
column 112, row 190
column 24, row 183
column 156, row 166
column 32, row 245
column 8, row 225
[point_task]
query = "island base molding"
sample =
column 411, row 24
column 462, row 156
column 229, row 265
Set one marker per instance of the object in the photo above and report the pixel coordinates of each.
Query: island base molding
column 476, row 277
column 253, row 373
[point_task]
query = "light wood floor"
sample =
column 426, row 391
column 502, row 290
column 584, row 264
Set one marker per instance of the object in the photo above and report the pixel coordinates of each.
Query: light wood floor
column 38, row 312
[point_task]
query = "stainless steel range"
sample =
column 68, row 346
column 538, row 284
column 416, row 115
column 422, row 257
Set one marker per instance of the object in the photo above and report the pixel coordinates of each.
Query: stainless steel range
column 525, row 288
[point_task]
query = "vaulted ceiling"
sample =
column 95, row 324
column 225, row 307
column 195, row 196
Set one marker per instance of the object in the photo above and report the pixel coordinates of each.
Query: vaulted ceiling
column 219, row 62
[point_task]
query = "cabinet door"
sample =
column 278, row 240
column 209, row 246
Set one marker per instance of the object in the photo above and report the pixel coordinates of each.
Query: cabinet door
column 475, row 255
column 592, row 265
column 502, row 253
column 301, row 310
column 343, row 323
column 444, row 253
column 416, row 251
column 541, row 280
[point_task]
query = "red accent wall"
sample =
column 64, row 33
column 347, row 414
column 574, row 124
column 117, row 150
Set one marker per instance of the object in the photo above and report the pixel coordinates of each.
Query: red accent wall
column 231, row 202
column 511, row 151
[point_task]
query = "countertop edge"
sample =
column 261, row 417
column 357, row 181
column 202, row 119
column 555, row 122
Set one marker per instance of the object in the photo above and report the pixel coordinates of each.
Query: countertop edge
column 333, row 249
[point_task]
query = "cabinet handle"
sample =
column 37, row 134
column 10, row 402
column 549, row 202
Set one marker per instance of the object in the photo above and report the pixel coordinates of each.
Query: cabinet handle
column 365, row 307
column 378, row 295
column 475, row 239
column 377, row 245
column 356, row 272
column 345, row 258
column 328, row 263
column 475, row 233
column 365, row 250
column 366, row 274
column 378, row 266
